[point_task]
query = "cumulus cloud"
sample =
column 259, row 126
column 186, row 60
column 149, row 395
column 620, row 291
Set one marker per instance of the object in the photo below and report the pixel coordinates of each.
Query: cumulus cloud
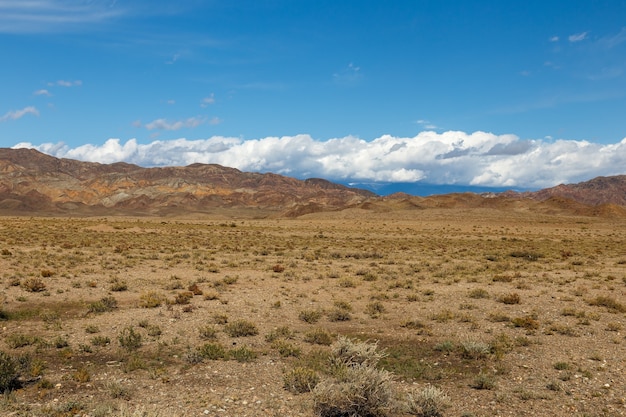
column 479, row 158
column 18, row 114
column 577, row 37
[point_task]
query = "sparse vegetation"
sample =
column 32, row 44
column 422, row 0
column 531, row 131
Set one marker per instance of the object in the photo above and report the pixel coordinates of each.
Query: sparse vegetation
column 364, row 318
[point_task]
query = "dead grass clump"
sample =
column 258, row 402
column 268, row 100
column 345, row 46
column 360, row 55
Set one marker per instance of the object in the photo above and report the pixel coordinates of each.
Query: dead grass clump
column 527, row 255
column 211, row 295
column 151, row 299
column 47, row 273
column 33, row 285
column 478, row 293
column 194, row 289
column 183, row 297
column 375, row 309
column 609, row 302
column 527, row 322
column 511, row 298
column 118, row 285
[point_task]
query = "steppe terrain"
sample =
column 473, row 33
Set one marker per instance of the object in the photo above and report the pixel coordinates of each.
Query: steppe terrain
column 507, row 312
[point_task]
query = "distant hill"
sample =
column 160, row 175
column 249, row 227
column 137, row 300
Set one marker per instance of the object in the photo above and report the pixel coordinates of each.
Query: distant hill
column 600, row 190
column 34, row 183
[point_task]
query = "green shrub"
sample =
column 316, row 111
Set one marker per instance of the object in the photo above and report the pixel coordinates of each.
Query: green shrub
column 212, row 351
column 241, row 328
column 100, row 340
column 310, row 316
column 8, row 372
column 319, row 337
column 242, row 354
column 300, row 380
column 129, row 339
column 105, row 304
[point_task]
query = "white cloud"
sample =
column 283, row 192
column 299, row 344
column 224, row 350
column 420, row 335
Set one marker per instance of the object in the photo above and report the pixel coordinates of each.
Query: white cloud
column 208, row 100
column 17, row 114
column 577, row 37
column 451, row 157
column 348, row 76
column 40, row 16
column 64, row 83
column 163, row 124
column 426, row 124
column 42, row 92
column 554, row 39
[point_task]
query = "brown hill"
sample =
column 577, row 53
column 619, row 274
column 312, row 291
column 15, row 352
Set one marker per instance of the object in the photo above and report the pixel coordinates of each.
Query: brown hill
column 32, row 182
column 600, row 190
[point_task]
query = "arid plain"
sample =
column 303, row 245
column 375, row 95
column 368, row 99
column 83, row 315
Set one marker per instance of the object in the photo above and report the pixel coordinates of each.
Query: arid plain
column 506, row 312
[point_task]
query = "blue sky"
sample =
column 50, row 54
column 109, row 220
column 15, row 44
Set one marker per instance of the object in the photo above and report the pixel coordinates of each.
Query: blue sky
column 483, row 93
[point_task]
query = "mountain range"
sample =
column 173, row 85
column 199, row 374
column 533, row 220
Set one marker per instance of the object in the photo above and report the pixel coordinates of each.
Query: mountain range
column 34, row 183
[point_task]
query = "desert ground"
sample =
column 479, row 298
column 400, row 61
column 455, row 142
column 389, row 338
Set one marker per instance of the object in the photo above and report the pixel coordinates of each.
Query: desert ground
column 505, row 313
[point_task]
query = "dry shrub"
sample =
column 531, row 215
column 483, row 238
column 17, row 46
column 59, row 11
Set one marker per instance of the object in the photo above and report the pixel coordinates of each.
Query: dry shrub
column 151, row 299
column 8, row 371
column 348, row 352
column 195, row 289
column 300, row 380
column 608, row 302
column 512, row 298
column 34, row 285
column 428, row 402
column 241, row 328
column 319, row 337
column 183, row 297
column 358, row 388
column 362, row 391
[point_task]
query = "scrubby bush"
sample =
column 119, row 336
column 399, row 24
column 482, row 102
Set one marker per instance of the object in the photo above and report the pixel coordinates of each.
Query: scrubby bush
column 241, row 328
column 8, row 371
column 129, row 339
column 428, row 402
column 300, row 380
column 361, row 391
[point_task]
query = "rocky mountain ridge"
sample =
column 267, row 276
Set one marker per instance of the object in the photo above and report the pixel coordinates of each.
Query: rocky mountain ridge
column 35, row 183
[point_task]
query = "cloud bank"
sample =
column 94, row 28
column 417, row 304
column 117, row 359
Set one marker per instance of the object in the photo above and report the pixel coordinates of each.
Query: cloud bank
column 479, row 158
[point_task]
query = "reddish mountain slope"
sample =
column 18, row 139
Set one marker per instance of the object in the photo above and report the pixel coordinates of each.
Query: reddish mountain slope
column 34, row 182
